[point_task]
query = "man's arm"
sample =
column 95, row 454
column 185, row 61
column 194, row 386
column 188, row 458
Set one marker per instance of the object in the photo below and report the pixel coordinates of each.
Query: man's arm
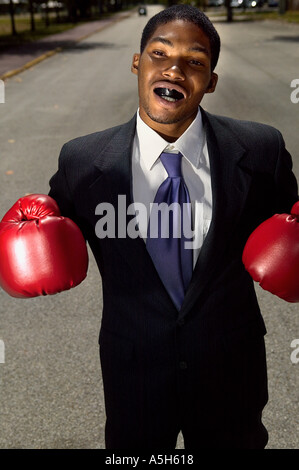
column 59, row 186
column 271, row 253
column 286, row 183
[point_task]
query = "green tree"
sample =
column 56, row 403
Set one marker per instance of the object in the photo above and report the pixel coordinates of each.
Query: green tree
column 78, row 9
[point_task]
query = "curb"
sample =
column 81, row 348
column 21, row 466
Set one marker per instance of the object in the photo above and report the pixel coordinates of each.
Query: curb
column 33, row 62
column 48, row 54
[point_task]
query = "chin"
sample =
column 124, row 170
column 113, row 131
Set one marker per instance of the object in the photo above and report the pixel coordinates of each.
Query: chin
column 164, row 117
column 164, row 120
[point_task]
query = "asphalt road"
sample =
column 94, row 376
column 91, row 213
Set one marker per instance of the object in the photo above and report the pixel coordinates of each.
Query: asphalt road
column 50, row 384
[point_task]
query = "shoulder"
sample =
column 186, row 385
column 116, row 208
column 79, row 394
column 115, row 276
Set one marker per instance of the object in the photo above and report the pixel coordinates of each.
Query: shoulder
column 87, row 147
column 247, row 132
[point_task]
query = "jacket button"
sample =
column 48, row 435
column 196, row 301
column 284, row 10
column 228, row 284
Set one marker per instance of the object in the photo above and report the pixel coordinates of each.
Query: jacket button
column 181, row 322
column 183, row 365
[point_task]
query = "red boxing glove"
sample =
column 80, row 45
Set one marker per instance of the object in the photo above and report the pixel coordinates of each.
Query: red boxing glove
column 271, row 255
column 41, row 252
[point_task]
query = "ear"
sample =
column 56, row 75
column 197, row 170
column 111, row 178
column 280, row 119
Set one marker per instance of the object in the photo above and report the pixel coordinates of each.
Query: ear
column 213, row 82
column 135, row 64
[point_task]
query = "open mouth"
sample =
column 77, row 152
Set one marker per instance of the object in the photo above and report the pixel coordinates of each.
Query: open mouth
column 169, row 95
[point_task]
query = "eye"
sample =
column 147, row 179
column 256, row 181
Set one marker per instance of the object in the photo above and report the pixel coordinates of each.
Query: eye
column 195, row 62
column 158, row 53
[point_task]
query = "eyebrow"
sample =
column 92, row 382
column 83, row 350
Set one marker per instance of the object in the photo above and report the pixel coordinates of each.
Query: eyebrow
column 163, row 40
column 198, row 48
column 167, row 42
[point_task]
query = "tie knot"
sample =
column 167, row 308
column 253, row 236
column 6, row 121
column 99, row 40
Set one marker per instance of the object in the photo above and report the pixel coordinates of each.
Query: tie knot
column 172, row 163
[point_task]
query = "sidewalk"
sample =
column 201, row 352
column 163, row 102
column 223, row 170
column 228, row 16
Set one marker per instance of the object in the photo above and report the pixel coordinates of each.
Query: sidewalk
column 17, row 59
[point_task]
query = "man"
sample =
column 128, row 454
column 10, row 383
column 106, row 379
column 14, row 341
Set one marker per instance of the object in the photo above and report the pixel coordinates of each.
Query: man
column 195, row 362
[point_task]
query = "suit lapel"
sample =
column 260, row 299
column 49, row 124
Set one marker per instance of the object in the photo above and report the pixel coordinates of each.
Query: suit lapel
column 230, row 177
column 113, row 179
column 113, row 164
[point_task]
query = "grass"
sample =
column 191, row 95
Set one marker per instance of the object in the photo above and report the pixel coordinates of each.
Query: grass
column 254, row 14
column 287, row 17
column 25, row 35
column 23, row 28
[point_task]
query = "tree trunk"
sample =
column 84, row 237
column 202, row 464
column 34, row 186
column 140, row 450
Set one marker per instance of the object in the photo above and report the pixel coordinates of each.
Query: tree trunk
column 47, row 19
column 100, row 7
column 31, row 11
column 229, row 11
column 12, row 17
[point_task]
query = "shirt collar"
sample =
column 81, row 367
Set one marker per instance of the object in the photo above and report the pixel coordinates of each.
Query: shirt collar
column 190, row 143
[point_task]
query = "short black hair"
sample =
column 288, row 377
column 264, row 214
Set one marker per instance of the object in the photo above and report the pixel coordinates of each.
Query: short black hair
column 186, row 13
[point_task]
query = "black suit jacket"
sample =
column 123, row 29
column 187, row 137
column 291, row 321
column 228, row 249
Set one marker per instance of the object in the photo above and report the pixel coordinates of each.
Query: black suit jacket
column 162, row 367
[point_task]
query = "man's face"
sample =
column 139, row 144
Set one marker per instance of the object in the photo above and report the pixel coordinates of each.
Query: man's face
column 174, row 73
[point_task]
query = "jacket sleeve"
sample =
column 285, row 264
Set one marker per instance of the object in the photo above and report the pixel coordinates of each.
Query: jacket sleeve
column 59, row 187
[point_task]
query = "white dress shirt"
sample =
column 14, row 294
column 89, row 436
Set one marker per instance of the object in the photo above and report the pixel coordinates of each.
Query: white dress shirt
column 149, row 172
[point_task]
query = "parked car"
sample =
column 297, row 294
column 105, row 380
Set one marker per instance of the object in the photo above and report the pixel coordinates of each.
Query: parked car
column 237, row 3
column 142, row 10
column 254, row 3
column 273, row 3
column 247, row 3
column 215, row 3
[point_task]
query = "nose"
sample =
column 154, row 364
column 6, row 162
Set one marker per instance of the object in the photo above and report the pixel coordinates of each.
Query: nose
column 174, row 73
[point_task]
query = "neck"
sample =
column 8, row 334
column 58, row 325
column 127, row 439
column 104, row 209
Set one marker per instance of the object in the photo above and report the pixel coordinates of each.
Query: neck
column 169, row 132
